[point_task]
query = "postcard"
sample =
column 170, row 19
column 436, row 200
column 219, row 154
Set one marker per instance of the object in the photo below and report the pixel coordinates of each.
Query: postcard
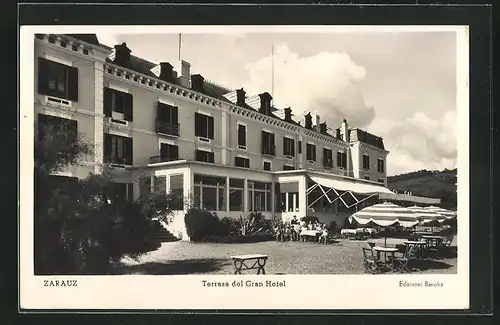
column 244, row 167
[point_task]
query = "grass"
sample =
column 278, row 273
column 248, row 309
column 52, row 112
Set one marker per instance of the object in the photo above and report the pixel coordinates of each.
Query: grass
column 342, row 257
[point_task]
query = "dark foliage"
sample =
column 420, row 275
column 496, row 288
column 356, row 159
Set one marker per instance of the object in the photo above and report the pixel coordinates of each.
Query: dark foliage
column 238, row 239
column 81, row 226
column 201, row 224
column 310, row 219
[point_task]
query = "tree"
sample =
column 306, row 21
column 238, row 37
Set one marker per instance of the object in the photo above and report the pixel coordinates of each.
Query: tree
column 82, row 226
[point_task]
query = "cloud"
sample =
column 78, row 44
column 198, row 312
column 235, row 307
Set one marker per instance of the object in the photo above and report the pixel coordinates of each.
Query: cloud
column 324, row 83
column 419, row 142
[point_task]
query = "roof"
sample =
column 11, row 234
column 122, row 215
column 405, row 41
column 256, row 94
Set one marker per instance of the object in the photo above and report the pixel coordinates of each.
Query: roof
column 365, row 137
column 217, row 91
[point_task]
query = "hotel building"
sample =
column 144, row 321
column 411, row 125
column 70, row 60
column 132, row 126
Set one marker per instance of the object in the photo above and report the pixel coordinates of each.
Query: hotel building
column 165, row 129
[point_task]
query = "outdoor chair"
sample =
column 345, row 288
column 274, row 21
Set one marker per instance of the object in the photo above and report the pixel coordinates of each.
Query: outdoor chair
column 371, row 264
column 407, row 256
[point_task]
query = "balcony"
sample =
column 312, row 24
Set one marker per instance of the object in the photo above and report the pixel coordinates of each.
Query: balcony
column 166, row 127
column 160, row 159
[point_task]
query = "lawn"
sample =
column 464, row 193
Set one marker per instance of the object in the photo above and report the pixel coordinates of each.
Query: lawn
column 342, row 257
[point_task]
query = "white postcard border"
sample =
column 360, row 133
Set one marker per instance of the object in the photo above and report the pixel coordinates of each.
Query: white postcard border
column 187, row 292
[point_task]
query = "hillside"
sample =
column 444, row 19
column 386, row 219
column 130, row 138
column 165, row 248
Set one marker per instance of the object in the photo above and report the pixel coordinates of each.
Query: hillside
column 429, row 183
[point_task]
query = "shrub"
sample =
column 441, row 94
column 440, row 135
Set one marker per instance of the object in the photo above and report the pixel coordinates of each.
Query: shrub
column 229, row 226
column 201, row 224
column 237, row 239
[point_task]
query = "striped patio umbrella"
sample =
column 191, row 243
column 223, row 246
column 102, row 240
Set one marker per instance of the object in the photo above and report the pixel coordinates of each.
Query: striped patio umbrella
column 426, row 216
column 446, row 214
column 386, row 214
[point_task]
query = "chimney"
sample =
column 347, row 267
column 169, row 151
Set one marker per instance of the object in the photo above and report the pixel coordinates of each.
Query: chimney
column 308, row 122
column 344, row 131
column 288, row 114
column 197, row 82
column 323, row 128
column 122, row 54
column 184, row 71
column 240, row 97
column 318, row 120
column 265, row 103
column 338, row 135
column 166, row 72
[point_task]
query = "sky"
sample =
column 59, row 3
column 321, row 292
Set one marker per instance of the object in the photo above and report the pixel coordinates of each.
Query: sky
column 397, row 85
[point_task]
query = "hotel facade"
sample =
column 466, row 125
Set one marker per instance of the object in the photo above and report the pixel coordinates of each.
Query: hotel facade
column 162, row 128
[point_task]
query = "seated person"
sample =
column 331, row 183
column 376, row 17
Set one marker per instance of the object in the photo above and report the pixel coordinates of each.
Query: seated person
column 323, row 238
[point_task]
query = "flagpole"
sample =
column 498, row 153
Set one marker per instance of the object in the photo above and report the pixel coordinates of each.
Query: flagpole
column 272, row 71
column 180, row 42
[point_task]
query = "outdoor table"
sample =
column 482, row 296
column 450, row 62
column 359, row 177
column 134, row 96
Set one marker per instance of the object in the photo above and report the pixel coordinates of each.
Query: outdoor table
column 259, row 261
column 308, row 233
column 419, row 245
column 386, row 250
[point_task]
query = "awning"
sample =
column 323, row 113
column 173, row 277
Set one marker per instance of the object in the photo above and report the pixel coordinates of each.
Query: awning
column 408, row 198
column 348, row 185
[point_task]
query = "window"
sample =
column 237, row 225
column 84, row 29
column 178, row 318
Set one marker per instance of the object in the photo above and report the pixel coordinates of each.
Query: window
column 380, row 166
column 58, row 80
column 167, row 119
column 236, row 187
column 242, row 162
column 267, row 165
column 210, row 192
column 288, row 147
column 268, row 147
column 288, row 167
column 341, row 159
column 57, row 126
column 311, row 152
column 300, row 146
column 177, row 192
column 118, row 104
column 327, row 157
column 380, row 180
column 259, row 196
column 205, row 156
column 118, row 149
column 366, row 162
column 367, row 178
column 169, row 152
column 242, row 136
column 203, row 126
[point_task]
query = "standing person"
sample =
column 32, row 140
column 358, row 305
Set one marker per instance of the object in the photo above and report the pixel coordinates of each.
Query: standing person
column 324, row 235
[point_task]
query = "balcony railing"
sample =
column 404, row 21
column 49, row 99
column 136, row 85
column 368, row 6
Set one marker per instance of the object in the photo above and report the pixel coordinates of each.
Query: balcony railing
column 166, row 127
column 160, row 159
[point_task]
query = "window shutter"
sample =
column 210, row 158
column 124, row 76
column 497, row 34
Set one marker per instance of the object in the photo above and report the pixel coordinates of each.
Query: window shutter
column 198, row 124
column 174, row 152
column 107, row 146
column 128, row 109
column 160, row 111
column 108, row 93
column 273, row 148
column 43, row 78
column 72, row 83
column 174, row 111
column 284, row 146
column 210, row 132
column 292, row 143
column 263, row 142
column 129, row 158
column 300, row 146
column 211, row 157
column 242, row 141
column 314, row 152
column 164, row 150
column 325, row 158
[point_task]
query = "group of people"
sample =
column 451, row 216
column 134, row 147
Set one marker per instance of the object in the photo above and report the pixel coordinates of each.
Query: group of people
column 293, row 230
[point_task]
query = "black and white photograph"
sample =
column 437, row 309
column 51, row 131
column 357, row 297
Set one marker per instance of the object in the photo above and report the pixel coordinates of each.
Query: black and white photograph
column 245, row 158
